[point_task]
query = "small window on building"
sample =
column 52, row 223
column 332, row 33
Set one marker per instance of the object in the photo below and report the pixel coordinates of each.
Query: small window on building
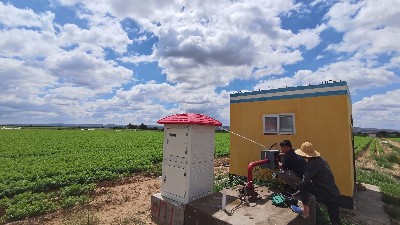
column 279, row 124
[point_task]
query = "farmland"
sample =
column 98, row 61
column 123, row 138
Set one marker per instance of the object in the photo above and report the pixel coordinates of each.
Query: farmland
column 381, row 167
column 43, row 170
column 360, row 143
column 395, row 139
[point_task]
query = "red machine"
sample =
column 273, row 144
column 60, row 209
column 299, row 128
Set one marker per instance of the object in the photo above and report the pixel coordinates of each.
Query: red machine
column 269, row 160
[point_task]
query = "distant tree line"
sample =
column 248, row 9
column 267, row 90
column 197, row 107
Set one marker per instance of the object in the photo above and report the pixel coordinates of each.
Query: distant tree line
column 221, row 131
column 142, row 126
column 380, row 134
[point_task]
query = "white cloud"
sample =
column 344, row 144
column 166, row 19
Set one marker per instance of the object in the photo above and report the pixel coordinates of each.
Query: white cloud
column 358, row 75
column 321, row 2
column 307, row 37
column 104, row 32
column 184, row 99
column 11, row 16
column 197, row 39
column 21, row 85
column 23, row 79
column 137, row 59
column 394, row 63
column 141, row 39
column 370, row 27
column 381, row 111
column 20, row 42
column 201, row 45
column 84, row 70
column 274, row 83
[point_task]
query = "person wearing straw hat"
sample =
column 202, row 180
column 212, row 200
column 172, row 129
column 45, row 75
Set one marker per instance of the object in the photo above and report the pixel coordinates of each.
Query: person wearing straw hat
column 319, row 181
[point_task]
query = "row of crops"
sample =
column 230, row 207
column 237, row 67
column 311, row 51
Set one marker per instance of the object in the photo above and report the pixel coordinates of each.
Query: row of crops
column 361, row 143
column 44, row 170
column 373, row 146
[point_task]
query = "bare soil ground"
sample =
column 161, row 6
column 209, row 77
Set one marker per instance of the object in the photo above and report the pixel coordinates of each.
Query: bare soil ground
column 397, row 144
column 124, row 201
column 369, row 208
column 366, row 161
column 121, row 202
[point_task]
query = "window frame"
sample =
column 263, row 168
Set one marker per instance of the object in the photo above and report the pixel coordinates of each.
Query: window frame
column 278, row 116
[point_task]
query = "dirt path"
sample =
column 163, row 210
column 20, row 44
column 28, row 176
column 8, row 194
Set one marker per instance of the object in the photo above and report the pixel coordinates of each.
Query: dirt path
column 364, row 153
column 364, row 160
column 369, row 207
column 397, row 144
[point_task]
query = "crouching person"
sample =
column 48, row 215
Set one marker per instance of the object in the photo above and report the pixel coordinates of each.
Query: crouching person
column 319, row 181
column 292, row 166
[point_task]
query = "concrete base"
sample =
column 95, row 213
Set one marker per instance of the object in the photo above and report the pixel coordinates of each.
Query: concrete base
column 165, row 211
column 207, row 210
column 369, row 206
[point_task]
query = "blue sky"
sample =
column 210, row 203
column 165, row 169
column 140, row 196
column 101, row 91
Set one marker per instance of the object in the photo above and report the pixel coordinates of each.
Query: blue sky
column 82, row 61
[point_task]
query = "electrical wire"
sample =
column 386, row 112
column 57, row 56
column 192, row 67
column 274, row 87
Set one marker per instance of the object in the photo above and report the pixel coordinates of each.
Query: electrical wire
column 244, row 138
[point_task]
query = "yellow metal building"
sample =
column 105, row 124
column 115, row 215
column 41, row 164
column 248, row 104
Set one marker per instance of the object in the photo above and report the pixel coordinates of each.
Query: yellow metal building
column 320, row 114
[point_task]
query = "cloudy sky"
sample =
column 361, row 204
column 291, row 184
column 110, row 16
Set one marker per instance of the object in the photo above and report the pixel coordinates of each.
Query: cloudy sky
column 87, row 61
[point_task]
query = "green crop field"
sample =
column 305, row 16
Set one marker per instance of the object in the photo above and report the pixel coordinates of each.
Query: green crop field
column 361, row 143
column 372, row 146
column 395, row 139
column 42, row 170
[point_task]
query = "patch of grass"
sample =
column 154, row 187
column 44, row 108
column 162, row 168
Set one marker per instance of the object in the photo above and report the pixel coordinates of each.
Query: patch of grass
column 132, row 220
column 383, row 163
column 227, row 181
column 155, row 169
column 372, row 147
column 30, row 204
column 379, row 147
column 394, row 148
column 388, row 184
column 393, row 157
column 270, row 182
column 73, row 200
column 322, row 217
column 84, row 217
column 77, row 189
column 26, row 204
column 390, row 188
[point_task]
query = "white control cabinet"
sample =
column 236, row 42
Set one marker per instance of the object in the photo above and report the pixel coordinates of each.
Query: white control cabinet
column 188, row 162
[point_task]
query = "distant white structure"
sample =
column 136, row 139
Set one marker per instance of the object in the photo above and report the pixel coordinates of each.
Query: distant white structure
column 10, row 128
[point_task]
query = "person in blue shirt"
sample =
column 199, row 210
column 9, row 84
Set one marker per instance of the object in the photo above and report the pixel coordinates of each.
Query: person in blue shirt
column 292, row 165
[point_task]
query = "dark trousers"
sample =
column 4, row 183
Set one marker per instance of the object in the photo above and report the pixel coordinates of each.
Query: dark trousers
column 323, row 196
